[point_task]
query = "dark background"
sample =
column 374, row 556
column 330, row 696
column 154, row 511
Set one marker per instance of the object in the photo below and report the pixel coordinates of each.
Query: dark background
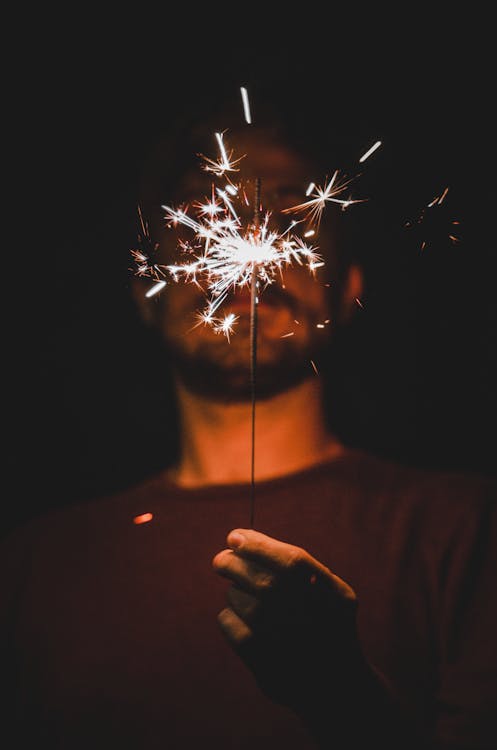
column 87, row 411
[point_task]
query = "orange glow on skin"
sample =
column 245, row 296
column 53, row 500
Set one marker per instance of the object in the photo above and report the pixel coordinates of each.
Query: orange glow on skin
column 144, row 518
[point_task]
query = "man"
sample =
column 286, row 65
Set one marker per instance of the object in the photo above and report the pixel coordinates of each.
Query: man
column 360, row 609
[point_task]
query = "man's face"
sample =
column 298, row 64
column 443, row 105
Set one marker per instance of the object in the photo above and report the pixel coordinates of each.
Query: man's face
column 293, row 312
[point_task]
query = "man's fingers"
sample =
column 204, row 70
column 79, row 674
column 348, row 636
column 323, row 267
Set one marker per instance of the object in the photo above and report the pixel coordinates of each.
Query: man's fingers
column 280, row 557
column 245, row 605
column 234, row 628
column 246, row 574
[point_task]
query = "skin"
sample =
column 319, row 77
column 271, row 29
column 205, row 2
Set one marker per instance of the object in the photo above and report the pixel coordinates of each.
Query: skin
column 292, row 621
column 258, row 564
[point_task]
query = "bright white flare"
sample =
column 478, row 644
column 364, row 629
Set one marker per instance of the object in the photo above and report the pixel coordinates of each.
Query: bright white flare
column 155, row 289
column 225, row 164
column 224, row 253
column 314, row 207
column 230, row 252
column 370, row 151
column 246, row 105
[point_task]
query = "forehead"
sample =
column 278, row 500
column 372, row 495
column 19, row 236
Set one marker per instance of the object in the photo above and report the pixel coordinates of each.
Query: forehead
column 261, row 155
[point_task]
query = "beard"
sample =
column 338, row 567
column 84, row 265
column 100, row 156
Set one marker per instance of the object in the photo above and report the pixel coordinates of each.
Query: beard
column 210, row 366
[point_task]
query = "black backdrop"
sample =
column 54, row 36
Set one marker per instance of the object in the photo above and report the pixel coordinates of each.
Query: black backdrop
column 88, row 403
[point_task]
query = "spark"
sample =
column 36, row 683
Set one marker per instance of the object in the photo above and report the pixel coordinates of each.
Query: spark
column 226, row 325
column 443, row 195
column 370, row 151
column 145, row 255
column 205, row 317
column 322, row 195
column 286, row 335
column 438, row 198
column 315, row 265
column 226, row 253
column 155, row 288
column 143, row 518
column 434, row 223
column 224, row 156
column 225, row 164
column 211, row 208
column 314, row 367
column 246, row 105
column 230, row 251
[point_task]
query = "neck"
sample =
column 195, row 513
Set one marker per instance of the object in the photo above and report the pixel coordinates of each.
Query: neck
column 216, row 438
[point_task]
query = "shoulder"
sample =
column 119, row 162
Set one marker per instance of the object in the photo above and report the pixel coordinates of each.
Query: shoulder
column 401, row 496
column 430, row 484
column 68, row 538
column 64, row 525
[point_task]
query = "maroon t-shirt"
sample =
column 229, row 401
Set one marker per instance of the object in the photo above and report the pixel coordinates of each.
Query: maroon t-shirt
column 109, row 627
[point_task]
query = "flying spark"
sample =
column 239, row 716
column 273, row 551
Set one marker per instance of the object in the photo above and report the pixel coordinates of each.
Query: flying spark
column 314, row 207
column 434, row 223
column 230, row 251
column 155, row 289
column 145, row 255
column 225, row 253
column 225, row 163
column 246, row 105
column 370, row 151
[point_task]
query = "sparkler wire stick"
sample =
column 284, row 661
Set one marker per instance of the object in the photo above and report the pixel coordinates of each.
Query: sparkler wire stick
column 253, row 349
column 233, row 257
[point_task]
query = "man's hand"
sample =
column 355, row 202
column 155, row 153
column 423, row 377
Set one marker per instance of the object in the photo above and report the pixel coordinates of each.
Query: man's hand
column 291, row 620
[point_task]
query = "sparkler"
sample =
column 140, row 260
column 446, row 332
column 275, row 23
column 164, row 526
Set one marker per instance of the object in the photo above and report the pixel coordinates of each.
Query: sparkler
column 233, row 255
column 253, row 348
column 225, row 254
